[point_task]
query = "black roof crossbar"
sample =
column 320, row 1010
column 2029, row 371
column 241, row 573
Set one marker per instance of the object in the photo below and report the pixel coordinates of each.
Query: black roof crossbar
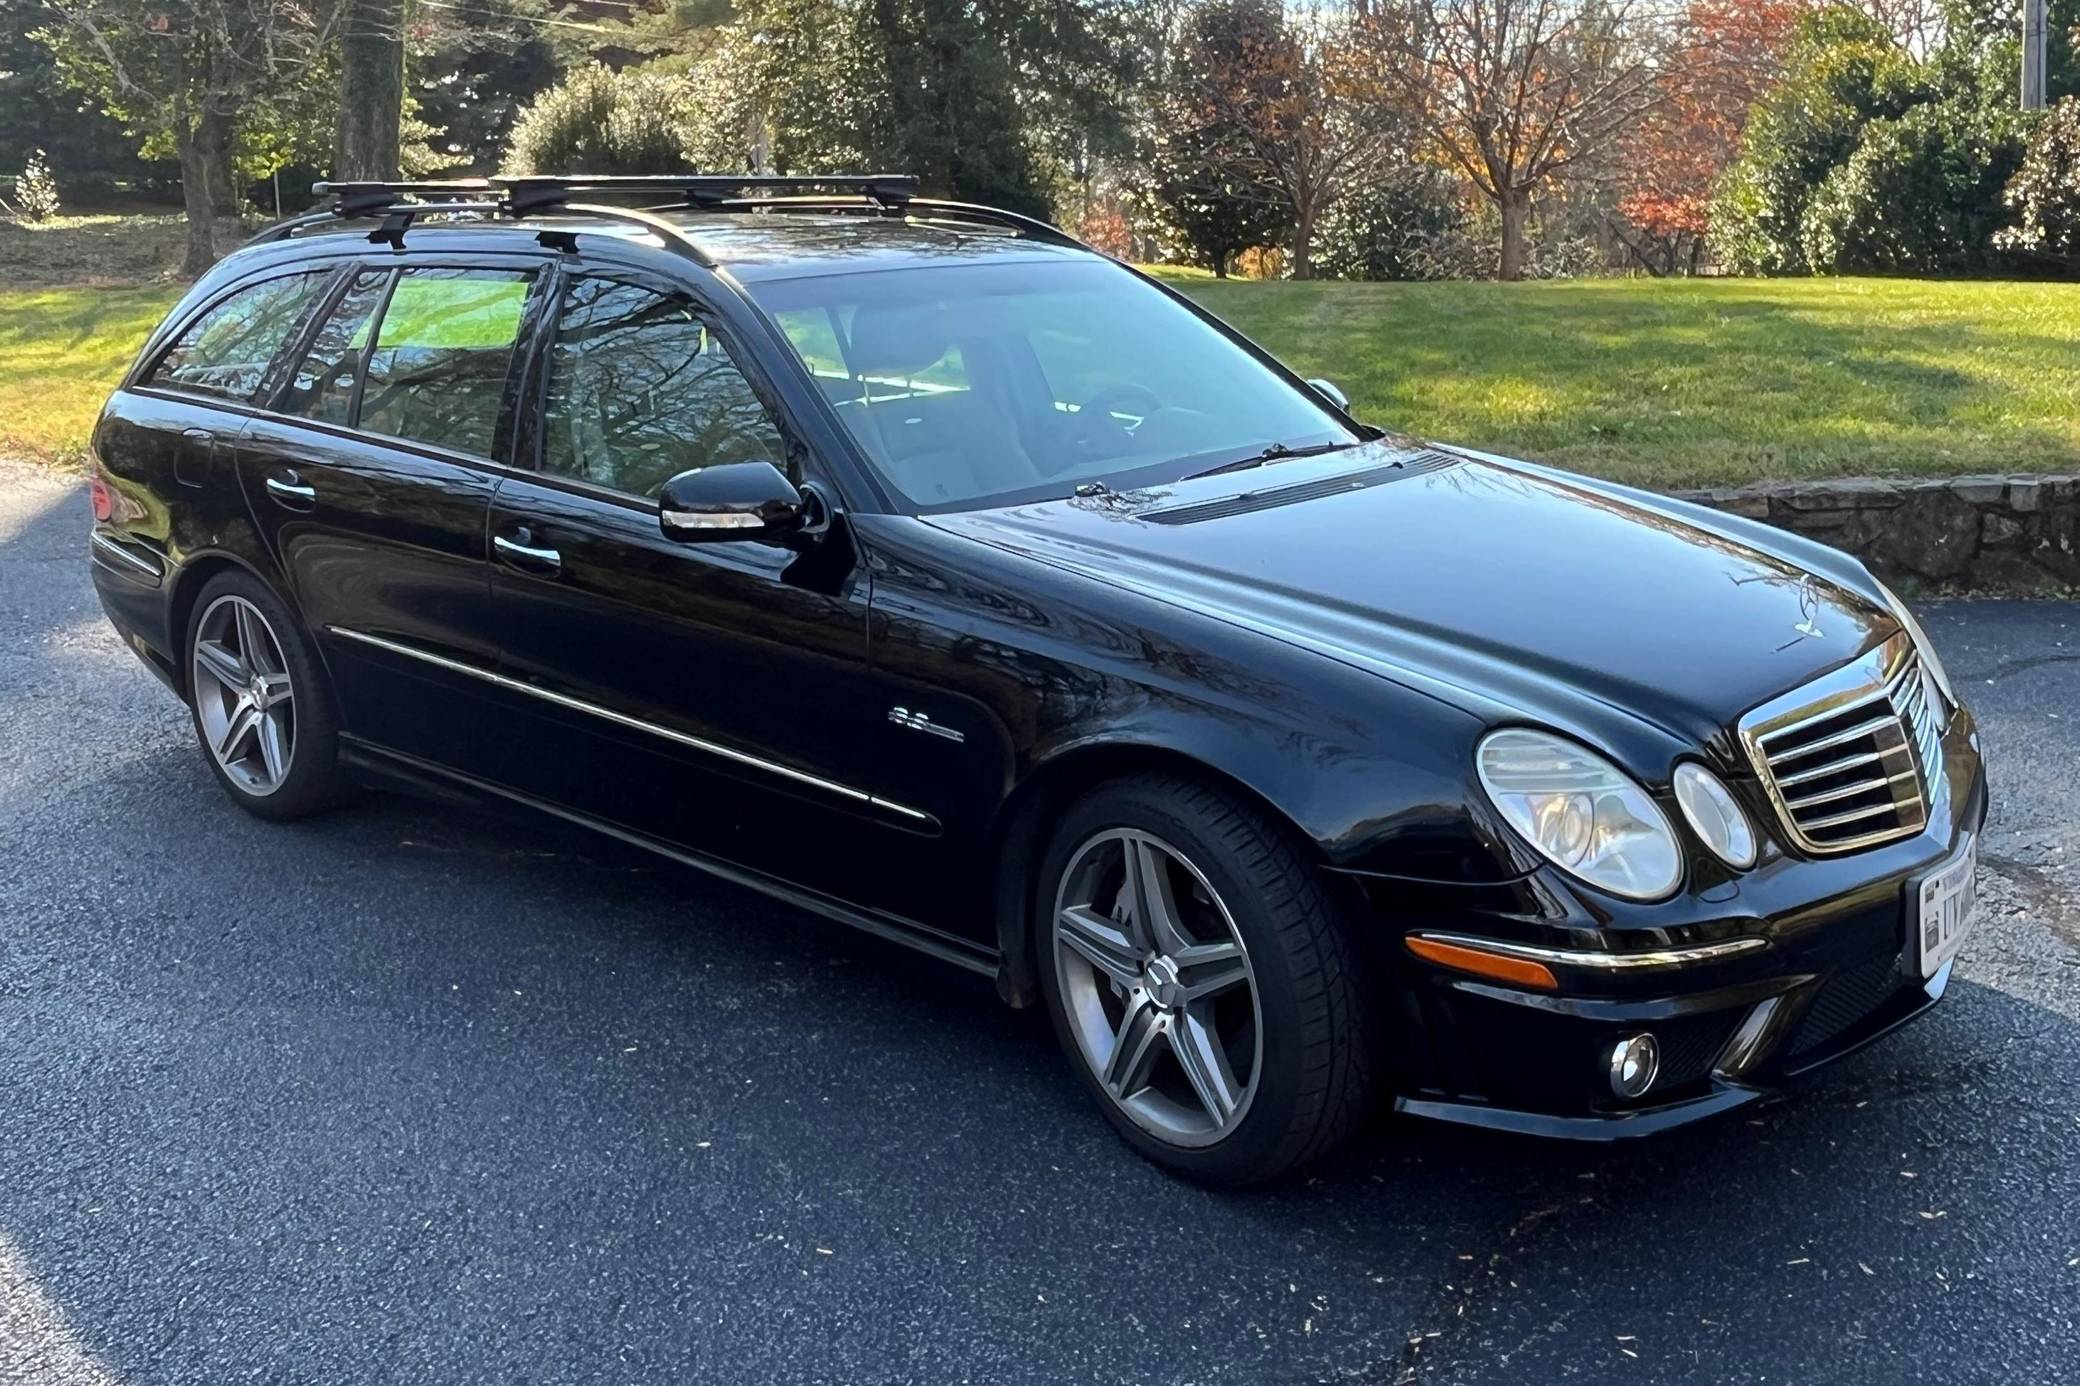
column 370, row 199
column 888, row 194
column 398, row 204
column 705, row 189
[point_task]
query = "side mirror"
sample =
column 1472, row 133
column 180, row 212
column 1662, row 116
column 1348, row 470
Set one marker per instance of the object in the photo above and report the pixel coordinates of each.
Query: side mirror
column 736, row 500
column 1328, row 391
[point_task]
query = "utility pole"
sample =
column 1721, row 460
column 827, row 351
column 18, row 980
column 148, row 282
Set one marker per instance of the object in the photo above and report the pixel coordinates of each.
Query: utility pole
column 2036, row 37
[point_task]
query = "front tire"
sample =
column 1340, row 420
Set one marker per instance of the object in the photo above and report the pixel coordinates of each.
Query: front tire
column 1203, row 981
column 262, row 707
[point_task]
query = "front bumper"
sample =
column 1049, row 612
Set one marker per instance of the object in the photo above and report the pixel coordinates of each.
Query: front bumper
column 1801, row 963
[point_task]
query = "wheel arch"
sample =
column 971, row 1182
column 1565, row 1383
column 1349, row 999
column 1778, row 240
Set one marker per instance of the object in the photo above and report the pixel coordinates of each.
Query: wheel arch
column 189, row 581
column 1018, row 835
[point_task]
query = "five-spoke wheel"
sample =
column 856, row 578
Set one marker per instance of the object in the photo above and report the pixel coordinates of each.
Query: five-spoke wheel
column 1202, row 976
column 263, row 709
column 245, row 703
column 1158, row 986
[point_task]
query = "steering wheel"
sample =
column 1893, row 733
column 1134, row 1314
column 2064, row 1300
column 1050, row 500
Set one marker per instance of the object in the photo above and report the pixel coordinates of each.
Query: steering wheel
column 1084, row 432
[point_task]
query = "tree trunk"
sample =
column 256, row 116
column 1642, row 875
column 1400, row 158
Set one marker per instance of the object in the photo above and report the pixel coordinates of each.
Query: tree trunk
column 202, row 239
column 214, row 137
column 761, row 142
column 1516, row 202
column 371, row 91
column 1303, row 243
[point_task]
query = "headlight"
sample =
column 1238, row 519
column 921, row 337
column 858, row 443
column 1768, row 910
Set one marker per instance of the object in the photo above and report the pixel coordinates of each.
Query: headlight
column 1714, row 814
column 1927, row 651
column 1581, row 813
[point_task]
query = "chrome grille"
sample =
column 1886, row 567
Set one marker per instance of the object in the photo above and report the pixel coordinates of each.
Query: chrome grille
column 1855, row 757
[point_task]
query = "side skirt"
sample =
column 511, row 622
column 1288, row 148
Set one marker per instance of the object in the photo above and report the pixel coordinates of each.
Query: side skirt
column 438, row 781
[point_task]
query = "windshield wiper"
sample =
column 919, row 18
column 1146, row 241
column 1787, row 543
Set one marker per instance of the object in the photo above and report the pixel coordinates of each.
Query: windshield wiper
column 1277, row 452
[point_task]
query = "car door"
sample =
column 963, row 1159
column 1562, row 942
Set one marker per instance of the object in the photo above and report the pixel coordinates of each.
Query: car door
column 715, row 696
column 172, row 432
column 370, row 475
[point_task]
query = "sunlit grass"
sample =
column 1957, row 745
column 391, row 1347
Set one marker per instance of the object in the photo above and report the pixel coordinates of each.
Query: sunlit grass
column 61, row 351
column 1701, row 381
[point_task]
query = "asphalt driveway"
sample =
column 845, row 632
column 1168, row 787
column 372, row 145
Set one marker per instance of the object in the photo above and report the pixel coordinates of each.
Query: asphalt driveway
column 401, row 1095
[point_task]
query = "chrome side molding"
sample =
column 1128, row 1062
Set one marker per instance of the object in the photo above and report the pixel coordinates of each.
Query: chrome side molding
column 105, row 545
column 713, row 748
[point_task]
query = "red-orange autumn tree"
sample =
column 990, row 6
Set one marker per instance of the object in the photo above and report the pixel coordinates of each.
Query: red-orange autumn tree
column 1727, row 55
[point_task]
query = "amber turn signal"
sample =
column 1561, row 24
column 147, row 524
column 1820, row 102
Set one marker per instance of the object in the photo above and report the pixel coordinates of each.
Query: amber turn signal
column 1522, row 972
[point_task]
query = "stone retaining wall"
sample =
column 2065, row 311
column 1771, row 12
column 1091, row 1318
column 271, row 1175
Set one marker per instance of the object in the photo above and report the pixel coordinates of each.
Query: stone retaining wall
column 1971, row 533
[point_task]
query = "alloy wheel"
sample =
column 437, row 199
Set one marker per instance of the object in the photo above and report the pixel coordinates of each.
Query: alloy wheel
column 1157, row 987
column 244, row 701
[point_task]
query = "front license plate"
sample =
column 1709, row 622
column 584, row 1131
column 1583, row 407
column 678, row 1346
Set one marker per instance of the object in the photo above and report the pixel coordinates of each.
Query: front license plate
column 1948, row 900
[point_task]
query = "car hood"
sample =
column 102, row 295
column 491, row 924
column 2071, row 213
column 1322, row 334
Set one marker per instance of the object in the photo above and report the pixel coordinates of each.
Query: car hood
column 1512, row 591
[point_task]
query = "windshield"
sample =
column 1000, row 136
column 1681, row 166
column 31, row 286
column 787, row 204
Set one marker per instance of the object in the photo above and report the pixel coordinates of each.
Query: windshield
column 977, row 385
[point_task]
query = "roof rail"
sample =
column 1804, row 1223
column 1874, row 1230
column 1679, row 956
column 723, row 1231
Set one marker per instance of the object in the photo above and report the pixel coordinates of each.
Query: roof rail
column 893, row 194
column 923, row 208
column 972, row 211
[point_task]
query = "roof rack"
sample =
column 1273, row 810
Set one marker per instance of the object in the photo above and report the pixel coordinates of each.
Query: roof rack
column 708, row 189
column 888, row 194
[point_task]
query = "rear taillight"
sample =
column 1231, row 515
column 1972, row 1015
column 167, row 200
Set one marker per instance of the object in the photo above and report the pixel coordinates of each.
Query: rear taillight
column 103, row 502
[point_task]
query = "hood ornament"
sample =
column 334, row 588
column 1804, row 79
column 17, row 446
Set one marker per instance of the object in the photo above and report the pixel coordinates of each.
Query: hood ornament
column 1808, row 608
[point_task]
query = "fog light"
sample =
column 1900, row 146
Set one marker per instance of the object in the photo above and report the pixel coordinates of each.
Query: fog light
column 1635, row 1064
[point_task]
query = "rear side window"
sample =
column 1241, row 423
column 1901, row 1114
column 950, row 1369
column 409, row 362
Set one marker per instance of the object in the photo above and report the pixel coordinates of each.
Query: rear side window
column 226, row 351
column 323, row 387
column 438, row 370
column 423, row 354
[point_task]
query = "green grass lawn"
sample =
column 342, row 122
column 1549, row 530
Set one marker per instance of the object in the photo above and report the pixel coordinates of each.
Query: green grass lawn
column 61, row 351
column 1697, row 382
column 1666, row 383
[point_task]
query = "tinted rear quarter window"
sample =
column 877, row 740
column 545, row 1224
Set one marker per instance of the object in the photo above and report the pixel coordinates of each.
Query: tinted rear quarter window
column 438, row 370
column 226, row 352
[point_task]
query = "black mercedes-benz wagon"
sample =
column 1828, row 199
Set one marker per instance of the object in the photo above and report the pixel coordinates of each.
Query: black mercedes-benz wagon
column 913, row 562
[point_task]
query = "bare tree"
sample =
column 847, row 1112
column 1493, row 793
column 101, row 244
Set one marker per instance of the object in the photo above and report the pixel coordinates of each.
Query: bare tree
column 1919, row 25
column 1303, row 112
column 1517, row 93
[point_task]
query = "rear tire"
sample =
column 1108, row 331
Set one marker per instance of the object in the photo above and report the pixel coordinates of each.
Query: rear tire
column 1202, row 979
column 262, row 707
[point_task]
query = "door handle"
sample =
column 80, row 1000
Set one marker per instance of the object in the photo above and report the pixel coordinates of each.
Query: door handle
column 289, row 490
column 522, row 552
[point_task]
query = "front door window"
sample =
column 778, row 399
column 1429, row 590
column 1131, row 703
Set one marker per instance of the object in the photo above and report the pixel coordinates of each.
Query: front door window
column 642, row 389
